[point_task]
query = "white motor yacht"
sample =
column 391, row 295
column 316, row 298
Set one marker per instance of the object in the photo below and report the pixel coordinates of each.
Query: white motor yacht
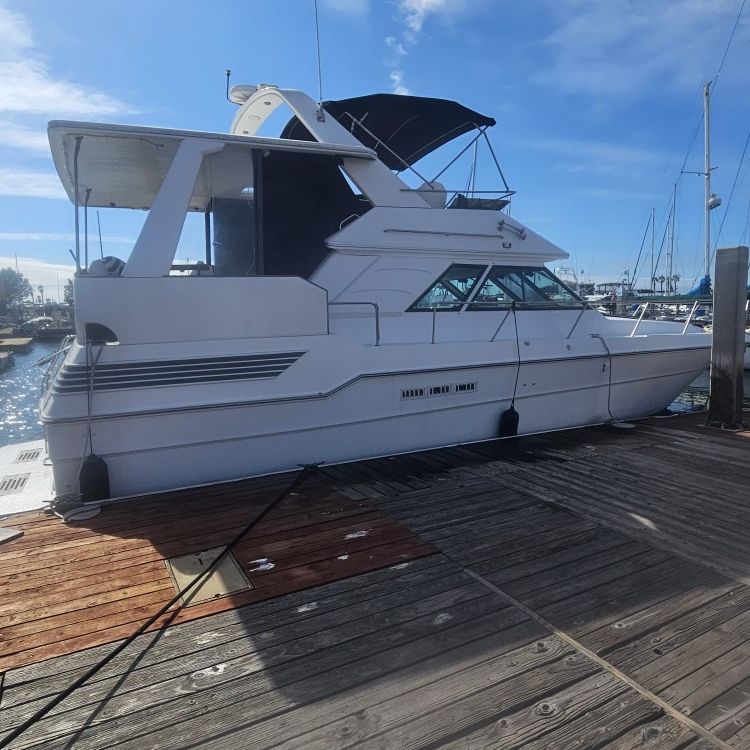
column 338, row 314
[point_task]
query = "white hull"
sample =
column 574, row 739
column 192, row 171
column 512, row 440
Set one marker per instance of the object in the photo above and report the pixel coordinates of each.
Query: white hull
column 203, row 443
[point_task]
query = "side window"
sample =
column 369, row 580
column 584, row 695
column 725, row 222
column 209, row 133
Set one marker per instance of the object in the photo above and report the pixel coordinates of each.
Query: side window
column 529, row 286
column 542, row 286
column 492, row 295
column 517, row 281
column 451, row 290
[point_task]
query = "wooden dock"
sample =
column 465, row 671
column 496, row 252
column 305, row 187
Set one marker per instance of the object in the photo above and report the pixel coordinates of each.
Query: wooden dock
column 585, row 590
column 17, row 345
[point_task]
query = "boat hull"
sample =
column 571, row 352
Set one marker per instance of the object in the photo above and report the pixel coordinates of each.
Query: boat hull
column 373, row 415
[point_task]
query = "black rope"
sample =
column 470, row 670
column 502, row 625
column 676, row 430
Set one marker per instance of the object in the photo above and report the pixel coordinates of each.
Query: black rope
column 306, row 472
column 518, row 354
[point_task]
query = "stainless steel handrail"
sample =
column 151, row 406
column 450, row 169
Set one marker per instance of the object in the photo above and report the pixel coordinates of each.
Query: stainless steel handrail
column 643, row 307
column 494, row 306
column 55, row 362
column 690, row 317
column 377, row 316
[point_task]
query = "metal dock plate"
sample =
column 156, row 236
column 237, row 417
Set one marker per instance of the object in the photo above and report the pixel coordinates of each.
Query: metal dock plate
column 226, row 578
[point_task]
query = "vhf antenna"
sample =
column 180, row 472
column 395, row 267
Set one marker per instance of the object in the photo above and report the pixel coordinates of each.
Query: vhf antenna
column 320, row 115
column 228, row 73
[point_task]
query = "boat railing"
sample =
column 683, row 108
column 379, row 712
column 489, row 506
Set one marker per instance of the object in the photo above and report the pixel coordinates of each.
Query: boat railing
column 54, row 361
column 643, row 308
column 507, row 309
column 374, row 305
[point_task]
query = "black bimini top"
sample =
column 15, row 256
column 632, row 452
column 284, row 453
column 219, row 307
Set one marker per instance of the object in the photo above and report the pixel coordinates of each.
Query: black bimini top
column 410, row 126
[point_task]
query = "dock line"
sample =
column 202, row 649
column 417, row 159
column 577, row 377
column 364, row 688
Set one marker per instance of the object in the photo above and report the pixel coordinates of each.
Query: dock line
column 306, row 473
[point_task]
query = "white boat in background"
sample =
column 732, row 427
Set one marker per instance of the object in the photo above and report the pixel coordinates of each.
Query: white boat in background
column 339, row 314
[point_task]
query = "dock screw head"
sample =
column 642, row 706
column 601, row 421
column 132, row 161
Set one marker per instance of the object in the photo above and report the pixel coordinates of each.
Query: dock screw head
column 545, row 709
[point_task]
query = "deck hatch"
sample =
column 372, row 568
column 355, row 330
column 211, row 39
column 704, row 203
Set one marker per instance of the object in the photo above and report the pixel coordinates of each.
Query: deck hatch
column 12, row 483
column 28, row 455
column 227, row 578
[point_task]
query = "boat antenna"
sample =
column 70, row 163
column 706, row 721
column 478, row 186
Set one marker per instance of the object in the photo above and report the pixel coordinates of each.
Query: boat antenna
column 320, row 115
column 228, row 74
column 99, row 226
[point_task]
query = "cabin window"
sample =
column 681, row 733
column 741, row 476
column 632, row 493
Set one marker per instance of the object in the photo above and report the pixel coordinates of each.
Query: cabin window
column 526, row 286
column 451, row 290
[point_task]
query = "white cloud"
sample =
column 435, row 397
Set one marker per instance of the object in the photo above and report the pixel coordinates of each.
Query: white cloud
column 27, row 85
column 395, row 46
column 41, row 272
column 17, row 136
column 413, row 15
column 415, row 12
column 397, row 77
column 619, row 47
column 14, row 33
column 30, row 184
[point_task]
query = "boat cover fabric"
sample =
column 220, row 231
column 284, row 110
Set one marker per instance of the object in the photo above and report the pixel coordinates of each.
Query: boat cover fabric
column 409, row 126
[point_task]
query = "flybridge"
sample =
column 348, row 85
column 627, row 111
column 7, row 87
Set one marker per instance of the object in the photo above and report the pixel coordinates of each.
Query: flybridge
column 123, row 166
column 277, row 205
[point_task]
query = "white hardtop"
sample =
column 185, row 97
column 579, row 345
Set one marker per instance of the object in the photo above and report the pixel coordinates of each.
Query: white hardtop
column 124, row 165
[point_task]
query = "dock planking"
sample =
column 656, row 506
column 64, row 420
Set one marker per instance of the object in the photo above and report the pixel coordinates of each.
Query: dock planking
column 557, row 596
column 81, row 585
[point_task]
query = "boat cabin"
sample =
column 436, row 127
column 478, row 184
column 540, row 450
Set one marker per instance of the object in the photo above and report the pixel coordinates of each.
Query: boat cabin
column 319, row 215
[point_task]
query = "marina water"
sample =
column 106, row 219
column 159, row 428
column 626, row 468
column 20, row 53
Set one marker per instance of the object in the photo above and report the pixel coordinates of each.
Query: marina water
column 20, row 388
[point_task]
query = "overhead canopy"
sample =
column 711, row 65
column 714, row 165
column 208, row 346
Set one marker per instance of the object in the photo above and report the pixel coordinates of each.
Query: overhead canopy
column 124, row 166
column 409, row 126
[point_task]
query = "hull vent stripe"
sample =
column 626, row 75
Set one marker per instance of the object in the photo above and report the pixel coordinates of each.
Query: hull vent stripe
column 75, row 378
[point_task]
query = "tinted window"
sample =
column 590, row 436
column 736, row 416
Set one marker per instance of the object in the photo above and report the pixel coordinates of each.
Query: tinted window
column 531, row 286
column 452, row 289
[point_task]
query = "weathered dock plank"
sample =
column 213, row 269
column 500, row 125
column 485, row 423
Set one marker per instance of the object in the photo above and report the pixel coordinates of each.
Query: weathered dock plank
column 584, row 590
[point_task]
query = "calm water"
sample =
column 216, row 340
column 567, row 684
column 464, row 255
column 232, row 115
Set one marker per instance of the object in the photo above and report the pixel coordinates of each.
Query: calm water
column 19, row 395
column 20, row 391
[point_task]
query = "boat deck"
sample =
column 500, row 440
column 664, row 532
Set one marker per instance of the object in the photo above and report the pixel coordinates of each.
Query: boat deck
column 585, row 589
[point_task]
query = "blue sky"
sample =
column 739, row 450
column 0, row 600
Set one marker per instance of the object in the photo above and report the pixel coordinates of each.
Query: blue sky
column 596, row 101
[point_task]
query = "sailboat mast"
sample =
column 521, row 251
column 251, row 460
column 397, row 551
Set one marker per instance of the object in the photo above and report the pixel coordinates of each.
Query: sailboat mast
column 653, row 244
column 670, row 254
column 707, row 175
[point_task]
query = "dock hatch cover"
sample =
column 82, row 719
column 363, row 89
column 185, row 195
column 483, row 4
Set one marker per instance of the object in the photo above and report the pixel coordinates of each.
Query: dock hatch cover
column 12, row 483
column 28, row 455
column 227, row 578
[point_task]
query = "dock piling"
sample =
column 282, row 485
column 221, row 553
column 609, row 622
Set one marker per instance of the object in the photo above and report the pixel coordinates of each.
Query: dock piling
column 728, row 348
